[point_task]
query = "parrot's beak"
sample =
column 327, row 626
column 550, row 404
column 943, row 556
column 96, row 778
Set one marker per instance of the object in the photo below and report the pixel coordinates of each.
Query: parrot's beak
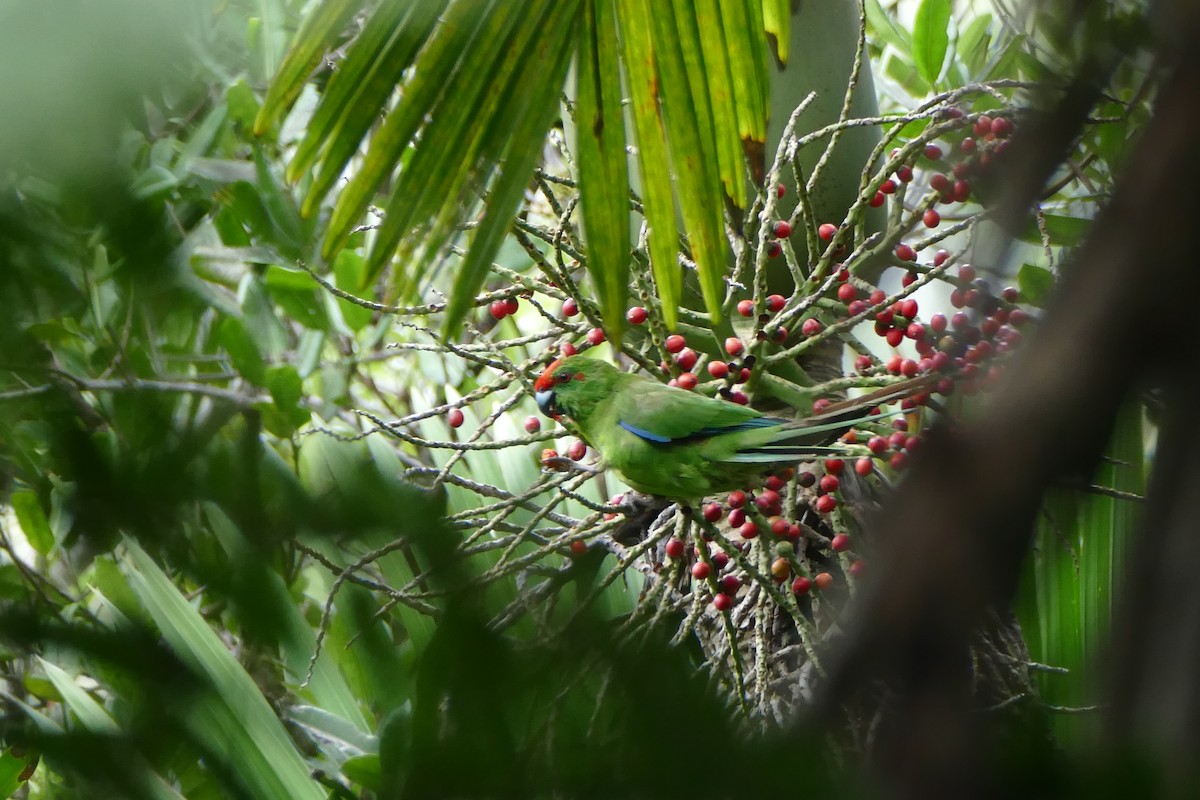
column 545, row 401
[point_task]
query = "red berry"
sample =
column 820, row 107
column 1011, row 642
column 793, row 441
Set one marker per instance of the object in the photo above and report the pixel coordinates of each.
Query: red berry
column 718, row 369
column 931, row 218
column 877, row 445
column 898, row 461
column 897, row 440
column 811, row 327
column 577, row 450
column 736, row 499
column 909, row 308
column 701, row 570
column 780, row 190
column 825, row 503
column 855, row 308
column 827, row 231
column 967, row 145
column 570, row 308
column 686, row 381
column 774, row 483
column 734, row 346
column 847, row 293
column 595, row 336
column 877, row 297
column 532, row 424
column 636, row 315
column 1001, row 127
column 820, row 404
column 962, row 190
column 674, row 548
column 830, row 483
column 1018, row 318
column 675, row 343
column 687, row 358
column 782, row 229
column 744, row 375
column 806, row 479
column 877, row 200
column 548, row 455
column 933, row 152
column 940, row 257
column 905, row 252
column 737, row 517
column 746, row 308
column 983, row 125
column 567, row 349
column 749, row 529
column 840, row 543
column 1010, row 294
column 578, row 547
column 730, row 583
column 862, row 363
column 773, row 249
column 739, row 397
column 454, row 418
column 937, row 323
column 801, row 585
column 779, row 526
column 822, row 580
column 512, row 305
column 775, row 303
column 722, row 602
column 856, row 568
column 915, row 331
column 908, row 368
column 498, row 309
column 894, row 337
column 712, row 512
column 863, row 466
column 766, row 500
column 904, row 173
column 888, row 186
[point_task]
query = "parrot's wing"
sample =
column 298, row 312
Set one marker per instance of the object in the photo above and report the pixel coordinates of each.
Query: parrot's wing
column 664, row 414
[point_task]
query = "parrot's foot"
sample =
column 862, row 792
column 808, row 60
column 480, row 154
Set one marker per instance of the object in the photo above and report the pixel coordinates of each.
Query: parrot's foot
column 564, row 464
column 639, row 510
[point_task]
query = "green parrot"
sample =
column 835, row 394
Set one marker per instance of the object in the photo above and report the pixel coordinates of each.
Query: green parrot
column 678, row 444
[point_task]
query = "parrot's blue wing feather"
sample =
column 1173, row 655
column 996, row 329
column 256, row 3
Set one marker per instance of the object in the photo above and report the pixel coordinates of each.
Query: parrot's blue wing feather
column 642, row 433
column 702, row 433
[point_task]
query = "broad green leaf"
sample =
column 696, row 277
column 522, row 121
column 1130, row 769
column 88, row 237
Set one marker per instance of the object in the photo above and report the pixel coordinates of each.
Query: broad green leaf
column 235, row 720
column 357, row 80
column 433, row 68
column 777, row 18
column 467, row 136
column 11, row 768
column 244, row 354
column 535, row 110
column 636, row 24
column 318, row 32
column 931, row 37
column 285, row 386
column 972, row 42
column 1060, row 229
column 720, row 95
column 90, row 714
column 684, row 98
column 33, row 521
column 741, row 22
column 881, row 23
column 1035, row 284
column 364, row 770
column 343, row 119
column 603, row 165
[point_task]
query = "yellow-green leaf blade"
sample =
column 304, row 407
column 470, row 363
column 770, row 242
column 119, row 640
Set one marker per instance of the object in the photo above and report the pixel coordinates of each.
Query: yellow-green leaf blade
column 319, row 30
column 931, row 38
column 657, row 197
column 603, row 164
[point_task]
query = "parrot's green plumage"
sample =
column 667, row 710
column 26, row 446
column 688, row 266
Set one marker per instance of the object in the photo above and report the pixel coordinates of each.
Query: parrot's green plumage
column 675, row 443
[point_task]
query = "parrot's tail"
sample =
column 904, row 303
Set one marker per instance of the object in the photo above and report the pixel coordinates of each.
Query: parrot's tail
column 813, row 437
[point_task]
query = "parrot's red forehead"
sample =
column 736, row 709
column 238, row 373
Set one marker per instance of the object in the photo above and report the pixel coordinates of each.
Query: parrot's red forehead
column 546, row 379
column 554, row 375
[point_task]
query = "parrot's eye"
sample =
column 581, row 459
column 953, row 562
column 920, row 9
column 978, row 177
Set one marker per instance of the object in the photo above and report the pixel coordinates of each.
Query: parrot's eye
column 563, row 376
